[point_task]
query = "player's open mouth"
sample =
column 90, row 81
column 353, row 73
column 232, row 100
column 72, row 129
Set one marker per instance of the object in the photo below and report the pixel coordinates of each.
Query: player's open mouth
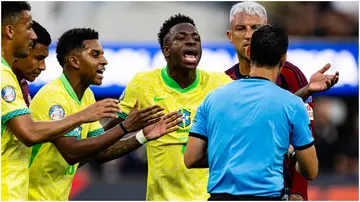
column 99, row 73
column 190, row 56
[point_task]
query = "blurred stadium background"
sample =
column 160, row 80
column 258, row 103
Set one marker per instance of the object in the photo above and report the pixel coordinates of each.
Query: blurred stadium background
column 320, row 32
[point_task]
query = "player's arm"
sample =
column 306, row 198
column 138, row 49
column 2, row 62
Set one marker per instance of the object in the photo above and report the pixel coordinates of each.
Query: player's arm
column 196, row 149
column 167, row 124
column 30, row 132
column 318, row 82
column 303, row 143
column 74, row 150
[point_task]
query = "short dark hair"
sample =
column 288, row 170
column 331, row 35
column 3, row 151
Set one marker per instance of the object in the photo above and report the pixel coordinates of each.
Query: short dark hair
column 168, row 24
column 10, row 11
column 73, row 39
column 43, row 36
column 268, row 44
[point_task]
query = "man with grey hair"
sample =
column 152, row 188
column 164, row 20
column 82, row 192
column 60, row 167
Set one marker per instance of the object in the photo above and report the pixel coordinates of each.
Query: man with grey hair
column 245, row 18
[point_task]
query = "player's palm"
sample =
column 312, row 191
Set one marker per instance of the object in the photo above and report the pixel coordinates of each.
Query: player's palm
column 167, row 124
column 320, row 82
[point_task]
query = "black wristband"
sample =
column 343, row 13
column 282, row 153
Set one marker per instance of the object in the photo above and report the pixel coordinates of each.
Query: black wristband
column 123, row 128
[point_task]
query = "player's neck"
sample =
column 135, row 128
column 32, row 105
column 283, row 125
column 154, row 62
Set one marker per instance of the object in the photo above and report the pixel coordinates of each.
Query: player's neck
column 75, row 82
column 183, row 77
column 270, row 73
column 244, row 66
column 7, row 53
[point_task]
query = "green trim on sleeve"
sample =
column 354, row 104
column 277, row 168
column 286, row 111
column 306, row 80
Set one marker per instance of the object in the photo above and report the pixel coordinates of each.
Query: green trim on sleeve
column 73, row 133
column 13, row 114
column 96, row 132
column 122, row 115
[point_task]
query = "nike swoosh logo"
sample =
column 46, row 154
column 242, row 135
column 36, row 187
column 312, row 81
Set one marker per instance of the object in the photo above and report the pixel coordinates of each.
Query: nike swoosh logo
column 157, row 99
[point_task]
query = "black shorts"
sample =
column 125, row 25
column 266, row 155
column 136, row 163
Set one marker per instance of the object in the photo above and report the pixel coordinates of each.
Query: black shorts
column 229, row 197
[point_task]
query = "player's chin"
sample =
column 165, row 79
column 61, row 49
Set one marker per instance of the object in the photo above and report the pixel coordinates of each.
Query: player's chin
column 190, row 65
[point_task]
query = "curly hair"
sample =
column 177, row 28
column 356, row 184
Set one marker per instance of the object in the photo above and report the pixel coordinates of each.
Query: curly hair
column 171, row 22
column 73, row 39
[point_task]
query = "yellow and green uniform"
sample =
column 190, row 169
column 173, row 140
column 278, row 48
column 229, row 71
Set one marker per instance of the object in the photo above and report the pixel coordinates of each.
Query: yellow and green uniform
column 50, row 175
column 168, row 177
column 14, row 154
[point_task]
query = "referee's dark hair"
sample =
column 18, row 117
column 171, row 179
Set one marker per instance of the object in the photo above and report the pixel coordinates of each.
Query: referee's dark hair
column 268, row 44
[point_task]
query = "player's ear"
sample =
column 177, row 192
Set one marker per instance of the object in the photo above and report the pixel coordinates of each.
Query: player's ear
column 165, row 51
column 74, row 62
column 229, row 36
column 8, row 30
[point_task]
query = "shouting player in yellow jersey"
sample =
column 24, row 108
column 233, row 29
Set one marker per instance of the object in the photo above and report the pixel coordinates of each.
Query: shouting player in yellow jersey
column 53, row 165
column 182, row 87
column 18, row 130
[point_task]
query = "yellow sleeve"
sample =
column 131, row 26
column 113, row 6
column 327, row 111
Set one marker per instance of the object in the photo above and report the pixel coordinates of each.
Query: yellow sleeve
column 12, row 102
column 129, row 96
column 51, row 105
column 95, row 128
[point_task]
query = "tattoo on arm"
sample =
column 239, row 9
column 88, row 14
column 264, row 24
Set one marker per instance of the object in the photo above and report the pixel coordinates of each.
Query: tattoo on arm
column 119, row 149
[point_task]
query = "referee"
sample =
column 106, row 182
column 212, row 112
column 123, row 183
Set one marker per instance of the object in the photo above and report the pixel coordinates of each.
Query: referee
column 243, row 138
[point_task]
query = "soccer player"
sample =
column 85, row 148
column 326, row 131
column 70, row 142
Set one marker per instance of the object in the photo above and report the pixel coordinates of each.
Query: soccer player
column 53, row 165
column 226, row 135
column 179, row 86
column 245, row 18
column 32, row 66
column 18, row 130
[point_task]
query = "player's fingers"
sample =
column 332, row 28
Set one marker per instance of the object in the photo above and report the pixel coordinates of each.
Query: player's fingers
column 109, row 115
column 172, row 129
column 112, row 110
column 155, row 116
column 172, row 118
column 136, row 106
column 325, row 68
column 110, row 100
column 153, row 121
column 152, row 112
column 174, row 123
column 151, row 108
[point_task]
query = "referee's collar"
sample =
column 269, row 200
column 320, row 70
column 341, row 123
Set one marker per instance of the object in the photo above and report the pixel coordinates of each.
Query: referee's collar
column 257, row 77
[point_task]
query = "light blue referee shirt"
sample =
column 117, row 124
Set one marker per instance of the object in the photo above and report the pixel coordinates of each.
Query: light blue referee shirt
column 249, row 124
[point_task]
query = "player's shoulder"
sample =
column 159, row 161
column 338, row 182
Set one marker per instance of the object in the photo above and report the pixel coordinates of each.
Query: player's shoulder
column 52, row 90
column 148, row 74
column 290, row 69
column 218, row 77
column 89, row 96
column 7, row 75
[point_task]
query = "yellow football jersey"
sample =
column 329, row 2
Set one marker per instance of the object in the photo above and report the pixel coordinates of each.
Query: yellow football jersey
column 168, row 177
column 14, row 154
column 50, row 175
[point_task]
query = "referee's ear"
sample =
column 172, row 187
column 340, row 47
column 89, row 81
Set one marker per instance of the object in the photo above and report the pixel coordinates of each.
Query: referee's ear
column 283, row 60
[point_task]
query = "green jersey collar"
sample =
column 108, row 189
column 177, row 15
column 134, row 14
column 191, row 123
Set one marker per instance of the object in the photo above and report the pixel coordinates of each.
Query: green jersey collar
column 69, row 88
column 172, row 83
column 5, row 63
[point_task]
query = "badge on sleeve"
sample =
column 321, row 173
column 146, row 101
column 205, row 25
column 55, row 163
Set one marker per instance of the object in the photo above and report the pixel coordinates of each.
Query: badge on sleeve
column 8, row 94
column 56, row 112
column 310, row 111
column 122, row 95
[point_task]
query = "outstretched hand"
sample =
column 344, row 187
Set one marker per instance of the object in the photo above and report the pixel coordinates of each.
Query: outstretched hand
column 321, row 82
column 167, row 124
